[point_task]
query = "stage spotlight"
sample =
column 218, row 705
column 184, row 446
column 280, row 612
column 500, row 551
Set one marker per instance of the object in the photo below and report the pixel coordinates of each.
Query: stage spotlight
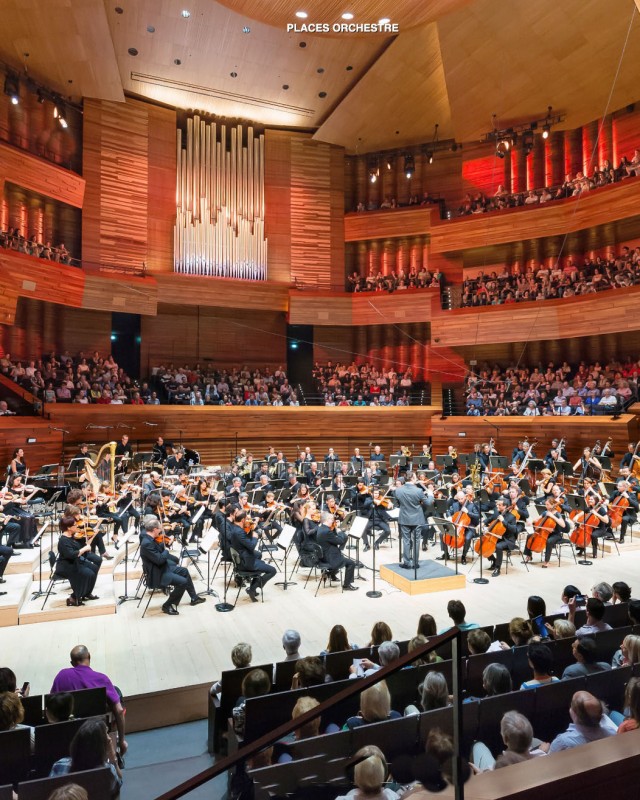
column 389, row 164
column 430, row 157
column 59, row 114
column 12, row 88
column 546, row 130
column 502, row 148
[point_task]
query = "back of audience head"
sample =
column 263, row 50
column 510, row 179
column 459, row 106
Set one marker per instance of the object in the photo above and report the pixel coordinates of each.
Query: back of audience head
column 632, row 699
column 478, row 641
column 59, row 707
column 563, row 628
column 309, row 729
column 540, row 658
column 587, row 649
column 11, row 711
column 496, row 679
column 586, row 709
column 435, row 692
column 256, row 683
column 621, row 592
column 516, row 732
column 338, row 640
column 603, row 591
column 414, row 644
column 90, row 746
column 631, row 648
column 595, row 608
column 520, row 630
column 427, row 626
column 380, row 632
column 388, row 652
column 70, row 791
column 456, row 611
column 291, row 641
column 370, row 774
column 241, row 655
column 569, row 592
column 310, row 671
column 375, row 702
column 634, row 612
column 536, row 607
column 8, row 680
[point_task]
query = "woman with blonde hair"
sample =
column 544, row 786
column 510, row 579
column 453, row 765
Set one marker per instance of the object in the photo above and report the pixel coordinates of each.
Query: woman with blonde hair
column 629, row 652
column 370, row 773
column 375, row 706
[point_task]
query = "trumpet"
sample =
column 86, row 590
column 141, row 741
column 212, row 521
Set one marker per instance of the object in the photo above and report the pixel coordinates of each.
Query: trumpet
column 453, row 453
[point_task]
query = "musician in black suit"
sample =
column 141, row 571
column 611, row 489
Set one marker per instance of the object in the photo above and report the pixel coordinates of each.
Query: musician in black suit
column 313, row 474
column 176, row 461
column 357, row 462
column 123, row 452
column 5, row 555
column 161, row 568
column 245, row 545
column 331, row 541
column 630, row 514
column 377, row 454
column 159, row 452
column 73, row 564
column 627, row 459
column 509, row 538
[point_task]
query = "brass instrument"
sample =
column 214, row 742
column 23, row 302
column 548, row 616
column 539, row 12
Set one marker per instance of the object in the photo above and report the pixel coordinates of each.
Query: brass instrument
column 405, row 451
column 454, row 453
column 474, row 471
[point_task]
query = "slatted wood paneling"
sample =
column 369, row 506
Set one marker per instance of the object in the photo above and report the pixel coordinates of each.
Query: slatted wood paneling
column 14, row 432
column 277, row 196
column 161, row 206
column 40, row 279
column 115, row 223
column 227, row 337
column 579, row 432
column 324, row 308
column 38, row 175
column 387, row 224
column 120, row 293
column 222, row 293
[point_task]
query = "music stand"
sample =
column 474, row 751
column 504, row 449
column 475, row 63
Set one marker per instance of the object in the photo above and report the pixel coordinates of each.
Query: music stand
column 284, row 541
column 126, row 596
column 223, row 606
column 444, row 461
column 142, row 460
column 605, row 461
column 422, row 462
column 498, row 463
column 397, row 461
column 206, row 545
column 38, row 537
column 447, row 527
column 565, row 468
column 355, row 531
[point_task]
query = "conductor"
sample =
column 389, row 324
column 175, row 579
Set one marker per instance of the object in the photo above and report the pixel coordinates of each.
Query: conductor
column 411, row 501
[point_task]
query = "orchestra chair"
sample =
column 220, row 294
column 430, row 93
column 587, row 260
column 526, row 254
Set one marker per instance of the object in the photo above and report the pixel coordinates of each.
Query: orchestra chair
column 6, row 792
column 15, row 763
column 148, row 585
column 395, row 737
column 33, row 713
column 54, row 577
column 283, row 675
column 241, row 575
column 97, row 782
column 314, row 556
column 557, row 548
column 283, row 779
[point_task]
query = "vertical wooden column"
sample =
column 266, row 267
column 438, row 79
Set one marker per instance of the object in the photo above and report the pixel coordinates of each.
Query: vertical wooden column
column 605, row 142
column 536, row 164
column 374, row 255
column 362, row 264
column 388, row 256
column 360, row 345
column 518, row 170
column 572, row 151
column 517, row 258
column 554, row 159
column 361, row 181
column 589, row 151
column 403, row 255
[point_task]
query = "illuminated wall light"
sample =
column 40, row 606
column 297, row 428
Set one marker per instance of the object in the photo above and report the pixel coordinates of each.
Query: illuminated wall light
column 546, row 130
column 12, row 88
column 384, row 21
column 347, row 15
column 301, row 14
column 185, row 13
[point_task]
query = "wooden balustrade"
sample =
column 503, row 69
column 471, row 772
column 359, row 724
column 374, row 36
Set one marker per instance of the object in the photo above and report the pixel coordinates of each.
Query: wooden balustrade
column 391, row 223
column 361, row 308
column 38, row 175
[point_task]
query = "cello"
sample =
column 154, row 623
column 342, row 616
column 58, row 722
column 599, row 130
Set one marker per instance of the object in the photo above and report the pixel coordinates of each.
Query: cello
column 542, row 529
column 585, row 523
column 487, row 543
column 616, row 510
column 462, row 521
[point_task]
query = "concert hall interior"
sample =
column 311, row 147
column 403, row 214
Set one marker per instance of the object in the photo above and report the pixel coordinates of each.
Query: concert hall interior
column 278, row 239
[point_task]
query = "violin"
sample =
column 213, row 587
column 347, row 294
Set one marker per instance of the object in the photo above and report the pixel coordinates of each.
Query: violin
column 384, row 502
column 486, row 546
column 249, row 525
column 162, row 538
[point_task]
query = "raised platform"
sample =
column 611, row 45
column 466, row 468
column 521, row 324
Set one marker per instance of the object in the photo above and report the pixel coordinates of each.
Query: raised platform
column 16, row 588
column 26, row 562
column 431, row 577
column 56, row 608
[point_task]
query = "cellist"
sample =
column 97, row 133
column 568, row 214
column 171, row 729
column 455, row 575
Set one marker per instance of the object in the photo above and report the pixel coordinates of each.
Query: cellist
column 630, row 513
column 508, row 541
column 462, row 503
column 595, row 509
column 553, row 524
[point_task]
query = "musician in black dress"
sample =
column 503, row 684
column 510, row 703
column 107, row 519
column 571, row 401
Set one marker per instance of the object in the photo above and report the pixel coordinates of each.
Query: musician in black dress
column 596, row 508
column 587, row 466
column 245, row 544
column 508, row 539
column 162, row 570
column 73, row 563
column 630, row 514
column 554, row 536
column 331, row 541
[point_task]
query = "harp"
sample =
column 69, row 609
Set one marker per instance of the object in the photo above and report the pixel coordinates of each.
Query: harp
column 91, row 464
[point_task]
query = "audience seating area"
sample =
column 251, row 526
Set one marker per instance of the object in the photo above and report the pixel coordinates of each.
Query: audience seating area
column 362, row 385
column 560, row 390
column 13, row 239
column 395, row 281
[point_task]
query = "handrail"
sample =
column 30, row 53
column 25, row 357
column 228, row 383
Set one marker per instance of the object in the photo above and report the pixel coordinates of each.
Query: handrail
column 454, row 636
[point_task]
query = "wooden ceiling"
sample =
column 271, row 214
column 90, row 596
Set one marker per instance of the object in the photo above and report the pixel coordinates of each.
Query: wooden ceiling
column 454, row 62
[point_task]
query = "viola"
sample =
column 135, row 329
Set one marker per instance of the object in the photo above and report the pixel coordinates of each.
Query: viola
column 493, row 533
column 162, row 538
column 249, row 525
column 462, row 521
column 542, row 529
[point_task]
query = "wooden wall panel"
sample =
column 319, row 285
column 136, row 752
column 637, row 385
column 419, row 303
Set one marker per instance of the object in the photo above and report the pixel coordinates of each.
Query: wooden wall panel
column 388, row 224
column 121, row 293
column 40, row 279
column 336, row 210
column 14, row 432
column 162, row 186
column 277, row 189
column 38, row 175
column 222, row 293
column 115, row 220
column 608, row 204
column 483, row 171
column 608, row 312
column 187, row 334
column 41, row 327
column 365, row 308
column 580, row 432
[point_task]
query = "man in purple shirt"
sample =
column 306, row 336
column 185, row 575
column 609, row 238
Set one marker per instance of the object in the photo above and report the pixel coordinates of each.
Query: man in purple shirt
column 81, row 676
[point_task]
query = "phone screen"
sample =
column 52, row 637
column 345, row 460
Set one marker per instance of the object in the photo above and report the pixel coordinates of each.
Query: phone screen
column 538, row 623
column 25, row 689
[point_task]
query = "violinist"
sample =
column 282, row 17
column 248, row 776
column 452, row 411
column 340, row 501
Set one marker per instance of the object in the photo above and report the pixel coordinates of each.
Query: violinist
column 10, row 528
column 203, row 497
column 517, row 504
column 378, row 517
column 161, row 567
column 509, row 538
column 551, row 461
column 154, row 484
column 461, row 503
column 159, row 451
column 337, row 484
column 234, row 490
column 268, row 524
column 560, row 497
column 490, row 489
column 245, row 544
column 180, row 513
column 625, row 497
column 331, row 505
column 106, row 507
column 125, row 502
column 88, row 529
column 15, row 505
column 595, row 508
column 332, row 541
column 73, row 563
column 555, row 525
column 545, row 484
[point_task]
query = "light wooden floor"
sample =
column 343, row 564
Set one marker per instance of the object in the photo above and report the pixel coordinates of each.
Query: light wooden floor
column 162, row 652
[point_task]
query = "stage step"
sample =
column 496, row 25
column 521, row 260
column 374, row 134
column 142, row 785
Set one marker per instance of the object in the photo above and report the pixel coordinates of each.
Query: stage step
column 56, row 608
column 628, row 546
column 16, row 588
column 26, row 562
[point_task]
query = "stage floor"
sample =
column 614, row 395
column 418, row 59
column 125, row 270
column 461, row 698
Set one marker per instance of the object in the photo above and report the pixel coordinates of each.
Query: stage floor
column 161, row 652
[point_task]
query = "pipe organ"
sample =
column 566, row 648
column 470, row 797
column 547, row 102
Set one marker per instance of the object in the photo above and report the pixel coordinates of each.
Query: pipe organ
column 219, row 227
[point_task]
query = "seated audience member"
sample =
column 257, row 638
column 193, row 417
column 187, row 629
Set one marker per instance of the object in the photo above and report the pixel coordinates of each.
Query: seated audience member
column 541, row 662
column 338, row 641
column 255, row 684
column 427, row 626
column 457, row 613
column 629, row 653
column 310, row 671
column 387, row 652
column 9, row 682
column 634, row 612
column 630, row 721
column 241, row 656
column 478, row 641
column 520, row 631
column 621, row 592
column 603, row 591
column 561, row 629
column 589, row 722
column 307, row 731
column 11, row 712
column 90, row 748
column 595, row 614
column 584, row 652
column 434, row 693
column 380, row 633
column 517, row 735
column 496, row 679
column 59, row 707
column 369, row 776
column 70, row 791
column 291, row 644
column 429, row 658
column 375, row 706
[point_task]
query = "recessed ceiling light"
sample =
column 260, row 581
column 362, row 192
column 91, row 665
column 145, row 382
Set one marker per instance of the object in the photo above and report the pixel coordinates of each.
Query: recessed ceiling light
column 302, row 44
column 185, row 13
column 347, row 15
column 301, row 14
column 320, row 70
column 285, row 86
column 119, row 10
column 150, row 29
column 233, row 74
column 132, row 51
column 246, row 29
column 349, row 68
column 177, row 62
column 384, row 21
column 322, row 94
